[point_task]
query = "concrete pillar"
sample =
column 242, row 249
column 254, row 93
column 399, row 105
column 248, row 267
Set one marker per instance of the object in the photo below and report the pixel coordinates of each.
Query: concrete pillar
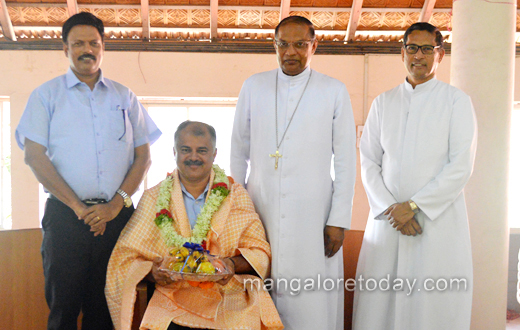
column 482, row 65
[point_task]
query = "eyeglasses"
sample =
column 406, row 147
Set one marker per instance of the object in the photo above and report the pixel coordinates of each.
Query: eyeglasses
column 425, row 49
column 303, row 44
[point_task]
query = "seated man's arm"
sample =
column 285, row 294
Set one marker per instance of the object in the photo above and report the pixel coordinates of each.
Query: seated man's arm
column 254, row 252
column 237, row 265
column 156, row 275
column 240, row 265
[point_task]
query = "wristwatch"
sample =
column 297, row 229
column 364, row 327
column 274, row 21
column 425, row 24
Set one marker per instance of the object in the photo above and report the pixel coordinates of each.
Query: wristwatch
column 126, row 199
column 413, row 206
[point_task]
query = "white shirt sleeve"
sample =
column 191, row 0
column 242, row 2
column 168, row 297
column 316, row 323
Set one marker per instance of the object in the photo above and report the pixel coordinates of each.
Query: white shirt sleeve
column 344, row 148
column 434, row 198
column 371, row 154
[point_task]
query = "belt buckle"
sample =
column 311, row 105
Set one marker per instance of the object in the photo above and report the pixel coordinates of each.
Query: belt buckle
column 94, row 201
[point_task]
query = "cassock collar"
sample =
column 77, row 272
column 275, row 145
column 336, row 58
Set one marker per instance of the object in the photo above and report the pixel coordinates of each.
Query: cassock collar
column 302, row 77
column 421, row 87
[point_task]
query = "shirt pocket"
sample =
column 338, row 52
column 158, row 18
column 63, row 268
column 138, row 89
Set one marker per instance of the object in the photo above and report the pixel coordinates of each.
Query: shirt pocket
column 119, row 123
column 119, row 127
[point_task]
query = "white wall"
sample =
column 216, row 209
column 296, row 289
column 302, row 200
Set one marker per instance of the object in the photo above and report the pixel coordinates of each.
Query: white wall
column 190, row 75
column 184, row 75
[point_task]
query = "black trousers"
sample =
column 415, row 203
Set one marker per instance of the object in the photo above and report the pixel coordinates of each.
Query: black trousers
column 75, row 265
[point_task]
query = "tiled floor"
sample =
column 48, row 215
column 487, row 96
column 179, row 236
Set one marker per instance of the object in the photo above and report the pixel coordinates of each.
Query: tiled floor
column 513, row 325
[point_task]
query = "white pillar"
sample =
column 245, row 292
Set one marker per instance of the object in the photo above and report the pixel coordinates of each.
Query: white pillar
column 482, row 65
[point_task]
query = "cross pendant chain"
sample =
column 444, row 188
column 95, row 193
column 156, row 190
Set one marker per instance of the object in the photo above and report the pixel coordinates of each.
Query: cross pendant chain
column 276, row 155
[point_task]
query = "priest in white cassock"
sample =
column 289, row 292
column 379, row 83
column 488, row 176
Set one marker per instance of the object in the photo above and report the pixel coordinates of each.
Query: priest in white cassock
column 289, row 122
column 417, row 151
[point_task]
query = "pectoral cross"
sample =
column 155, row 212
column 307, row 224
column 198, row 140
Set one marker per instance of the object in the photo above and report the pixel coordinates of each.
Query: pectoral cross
column 276, row 155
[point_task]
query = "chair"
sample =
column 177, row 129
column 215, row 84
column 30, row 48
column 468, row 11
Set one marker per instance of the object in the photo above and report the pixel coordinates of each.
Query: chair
column 144, row 292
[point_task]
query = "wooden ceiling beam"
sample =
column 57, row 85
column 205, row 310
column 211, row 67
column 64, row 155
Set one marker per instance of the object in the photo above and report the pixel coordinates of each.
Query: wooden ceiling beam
column 285, row 9
column 72, row 7
column 213, row 21
column 427, row 10
column 226, row 7
column 353, row 22
column 224, row 46
column 5, row 22
column 145, row 19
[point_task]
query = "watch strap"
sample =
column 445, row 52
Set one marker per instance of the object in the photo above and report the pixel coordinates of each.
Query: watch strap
column 413, row 206
column 126, row 199
column 122, row 193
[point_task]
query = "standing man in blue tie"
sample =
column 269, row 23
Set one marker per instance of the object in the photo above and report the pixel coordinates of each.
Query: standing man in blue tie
column 87, row 140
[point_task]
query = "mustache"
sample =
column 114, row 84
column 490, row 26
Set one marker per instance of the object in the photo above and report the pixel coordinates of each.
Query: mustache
column 193, row 162
column 85, row 56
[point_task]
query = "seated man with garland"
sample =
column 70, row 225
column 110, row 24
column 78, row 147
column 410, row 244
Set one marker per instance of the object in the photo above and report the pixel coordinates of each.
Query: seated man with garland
column 197, row 203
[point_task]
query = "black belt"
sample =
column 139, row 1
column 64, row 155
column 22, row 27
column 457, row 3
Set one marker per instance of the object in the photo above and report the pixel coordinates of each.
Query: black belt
column 90, row 201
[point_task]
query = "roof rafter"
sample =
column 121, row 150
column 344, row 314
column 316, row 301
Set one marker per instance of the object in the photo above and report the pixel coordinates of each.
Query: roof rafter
column 427, row 10
column 228, row 7
column 285, row 8
column 5, row 22
column 213, row 22
column 145, row 19
column 355, row 14
column 72, row 7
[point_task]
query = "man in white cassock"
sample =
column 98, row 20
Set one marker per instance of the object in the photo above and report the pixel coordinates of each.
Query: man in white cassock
column 289, row 122
column 417, row 151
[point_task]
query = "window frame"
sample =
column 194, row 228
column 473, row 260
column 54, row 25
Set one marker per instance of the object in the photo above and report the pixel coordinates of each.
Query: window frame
column 184, row 102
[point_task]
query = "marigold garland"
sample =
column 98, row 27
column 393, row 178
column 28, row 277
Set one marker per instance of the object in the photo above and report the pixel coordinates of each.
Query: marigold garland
column 164, row 219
